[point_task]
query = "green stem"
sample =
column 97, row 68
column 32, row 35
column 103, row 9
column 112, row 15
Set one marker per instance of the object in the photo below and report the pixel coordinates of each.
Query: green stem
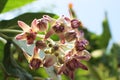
column 10, row 30
column 5, row 37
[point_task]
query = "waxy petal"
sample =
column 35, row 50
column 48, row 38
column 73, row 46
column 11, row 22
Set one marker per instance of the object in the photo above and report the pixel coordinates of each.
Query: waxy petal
column 24, row 26
column 49, row 33
column 61, row 69
column 22, row 36
column 27, row 56
column 80, row 65
column 36, row 52
column 49, row 19
column 62, row 38
column 86, row 54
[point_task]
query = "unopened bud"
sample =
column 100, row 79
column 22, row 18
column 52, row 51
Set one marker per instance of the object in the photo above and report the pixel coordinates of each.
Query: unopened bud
column 75, row 23
column 81, row 45
column 42, row 25
column 49, row 60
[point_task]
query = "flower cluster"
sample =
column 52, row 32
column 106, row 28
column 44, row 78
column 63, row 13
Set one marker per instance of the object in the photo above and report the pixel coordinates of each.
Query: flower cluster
column 65, row 54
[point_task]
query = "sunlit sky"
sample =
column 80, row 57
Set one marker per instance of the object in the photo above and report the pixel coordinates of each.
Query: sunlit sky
column 90, row 12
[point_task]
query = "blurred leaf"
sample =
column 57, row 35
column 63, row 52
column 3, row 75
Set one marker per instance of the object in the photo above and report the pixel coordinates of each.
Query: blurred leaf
column 98, row 41
column 115, row 60
column 12, row 4
column 52, row 74
column 2, row 4
column 106, row 34
column 94, row 72
column 41, row 72
column 64, row 77
column 11, row 67
column 80, row 74
column 1, row 50
column 11, row 28
column 1, row 74
column 92, row 38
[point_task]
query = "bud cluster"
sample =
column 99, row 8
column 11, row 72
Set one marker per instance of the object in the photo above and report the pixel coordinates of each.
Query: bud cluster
column 65, row 54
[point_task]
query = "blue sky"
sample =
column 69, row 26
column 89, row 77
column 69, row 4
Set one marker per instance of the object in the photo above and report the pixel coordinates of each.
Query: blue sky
column 90, row 12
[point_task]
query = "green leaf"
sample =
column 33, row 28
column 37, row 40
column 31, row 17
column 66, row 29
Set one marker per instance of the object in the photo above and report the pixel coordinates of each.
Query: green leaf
column 1, row 57
column 12, row 4
column 1, row 73
column 115, row 60
column 106, row 34
column 2, row 4
column 42, row 72
column 98, row 41
column 10, row 27
column 10, row 65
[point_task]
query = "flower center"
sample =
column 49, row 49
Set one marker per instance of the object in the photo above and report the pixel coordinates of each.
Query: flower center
column 58, row 28
column 40, row 44
column 31, row 37
column 35, row 63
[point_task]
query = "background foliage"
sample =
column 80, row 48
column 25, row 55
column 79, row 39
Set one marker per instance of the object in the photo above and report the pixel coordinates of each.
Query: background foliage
column 104, row 65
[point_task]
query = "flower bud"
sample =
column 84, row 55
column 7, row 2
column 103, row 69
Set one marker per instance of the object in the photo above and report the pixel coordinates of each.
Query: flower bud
column 75, row 23
column 42, row 25
column 81, row 45
column 49, row 60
